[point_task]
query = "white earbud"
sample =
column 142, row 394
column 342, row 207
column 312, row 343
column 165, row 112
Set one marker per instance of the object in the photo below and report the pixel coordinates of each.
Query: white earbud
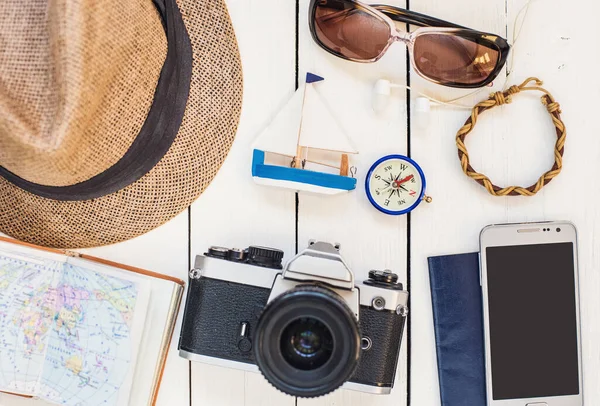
column 381, row 95
column 422, row 105
column 382, row 92
column 421, row 118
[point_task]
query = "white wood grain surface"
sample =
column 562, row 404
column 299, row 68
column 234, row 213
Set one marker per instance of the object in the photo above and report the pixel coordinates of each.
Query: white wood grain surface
column 369, row 239
column 512, row 144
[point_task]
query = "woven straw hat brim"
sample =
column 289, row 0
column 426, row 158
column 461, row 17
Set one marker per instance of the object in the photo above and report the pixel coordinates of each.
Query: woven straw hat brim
column 204, row 139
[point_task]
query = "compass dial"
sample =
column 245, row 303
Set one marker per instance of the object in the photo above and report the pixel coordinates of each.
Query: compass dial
column 395, row 184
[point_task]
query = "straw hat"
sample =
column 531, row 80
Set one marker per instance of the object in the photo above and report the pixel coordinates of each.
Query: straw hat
column 114, row 115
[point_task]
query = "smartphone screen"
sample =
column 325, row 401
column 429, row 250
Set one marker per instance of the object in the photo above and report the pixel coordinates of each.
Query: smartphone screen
column 532, row 321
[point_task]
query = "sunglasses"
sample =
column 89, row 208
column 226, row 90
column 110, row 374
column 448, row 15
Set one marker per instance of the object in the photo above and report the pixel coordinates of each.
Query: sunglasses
column 441, row 52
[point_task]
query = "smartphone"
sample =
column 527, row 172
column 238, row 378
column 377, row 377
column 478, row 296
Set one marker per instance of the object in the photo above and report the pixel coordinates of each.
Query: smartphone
column 529, row 281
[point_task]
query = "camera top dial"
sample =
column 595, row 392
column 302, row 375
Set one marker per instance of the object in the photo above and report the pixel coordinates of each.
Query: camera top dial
column 384, row 279
column 253, row 255
column 237, row 255
column 266, row 257
column 217, row 252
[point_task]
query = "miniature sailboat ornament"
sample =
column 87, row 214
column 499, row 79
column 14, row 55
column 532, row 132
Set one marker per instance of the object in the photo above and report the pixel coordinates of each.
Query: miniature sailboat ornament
column 301, row 143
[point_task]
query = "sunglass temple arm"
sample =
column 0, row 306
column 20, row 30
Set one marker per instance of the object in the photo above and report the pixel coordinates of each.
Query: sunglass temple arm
column 413, row 18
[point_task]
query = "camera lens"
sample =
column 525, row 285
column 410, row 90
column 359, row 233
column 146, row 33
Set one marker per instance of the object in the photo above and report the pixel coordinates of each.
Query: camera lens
column 558, row 230
column 307, row 341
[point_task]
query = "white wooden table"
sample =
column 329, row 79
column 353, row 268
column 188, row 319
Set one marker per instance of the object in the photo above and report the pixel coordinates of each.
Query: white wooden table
column 512, row 144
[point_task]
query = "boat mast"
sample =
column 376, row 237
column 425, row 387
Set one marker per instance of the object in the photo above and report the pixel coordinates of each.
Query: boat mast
column 298, row 163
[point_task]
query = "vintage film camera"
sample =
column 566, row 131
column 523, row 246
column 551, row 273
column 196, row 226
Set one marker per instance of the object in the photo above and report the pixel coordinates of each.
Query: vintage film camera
column 308, row 327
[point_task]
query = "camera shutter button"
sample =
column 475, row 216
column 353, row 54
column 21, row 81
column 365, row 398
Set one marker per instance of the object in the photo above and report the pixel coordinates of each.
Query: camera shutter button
column 236, row 255
column 217, row 252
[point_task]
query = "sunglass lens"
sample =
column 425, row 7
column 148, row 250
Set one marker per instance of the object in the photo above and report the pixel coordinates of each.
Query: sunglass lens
column 451, row 59
column 350, row 31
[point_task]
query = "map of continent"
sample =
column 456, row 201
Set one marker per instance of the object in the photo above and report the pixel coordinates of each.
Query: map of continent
column 64, row 331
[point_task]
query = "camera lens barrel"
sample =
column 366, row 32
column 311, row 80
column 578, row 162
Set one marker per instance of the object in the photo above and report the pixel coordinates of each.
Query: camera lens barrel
column 307, row 341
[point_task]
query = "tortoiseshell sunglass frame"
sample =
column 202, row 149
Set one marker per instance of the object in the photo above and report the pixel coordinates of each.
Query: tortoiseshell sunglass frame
column 427, row 25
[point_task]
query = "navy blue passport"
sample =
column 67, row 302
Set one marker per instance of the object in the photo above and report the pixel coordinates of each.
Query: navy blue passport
column 458, row 324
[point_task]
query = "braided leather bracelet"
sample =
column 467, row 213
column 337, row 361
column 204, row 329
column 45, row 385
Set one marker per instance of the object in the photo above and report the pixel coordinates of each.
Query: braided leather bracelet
column 498, row 99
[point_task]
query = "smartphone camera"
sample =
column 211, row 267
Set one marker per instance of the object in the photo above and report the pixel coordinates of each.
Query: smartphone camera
column 558, row 229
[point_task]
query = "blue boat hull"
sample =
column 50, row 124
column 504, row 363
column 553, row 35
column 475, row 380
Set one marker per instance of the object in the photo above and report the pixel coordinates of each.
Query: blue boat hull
column 285, row 174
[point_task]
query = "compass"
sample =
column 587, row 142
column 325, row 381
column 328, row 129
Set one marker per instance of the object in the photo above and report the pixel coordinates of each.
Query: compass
column 395, row 185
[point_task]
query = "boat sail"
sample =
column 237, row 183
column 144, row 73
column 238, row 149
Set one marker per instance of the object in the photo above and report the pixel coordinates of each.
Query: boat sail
column 304, row 127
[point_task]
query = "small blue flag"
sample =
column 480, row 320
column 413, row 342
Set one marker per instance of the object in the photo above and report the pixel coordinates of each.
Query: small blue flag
column 311, row 78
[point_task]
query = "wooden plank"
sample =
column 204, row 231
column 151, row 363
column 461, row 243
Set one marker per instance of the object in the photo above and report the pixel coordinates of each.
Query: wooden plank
column 560, row 59
column 513, row 145
column 234, row 211
column 460, row 207
column 369, row 239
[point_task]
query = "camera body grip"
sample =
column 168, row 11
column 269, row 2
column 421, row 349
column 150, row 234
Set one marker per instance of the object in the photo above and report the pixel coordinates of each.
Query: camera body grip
column 377, row 365
column 215, row 311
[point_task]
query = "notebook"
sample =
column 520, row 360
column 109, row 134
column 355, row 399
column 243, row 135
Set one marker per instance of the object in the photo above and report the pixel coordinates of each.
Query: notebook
column 77, row 330
column 458, row 324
